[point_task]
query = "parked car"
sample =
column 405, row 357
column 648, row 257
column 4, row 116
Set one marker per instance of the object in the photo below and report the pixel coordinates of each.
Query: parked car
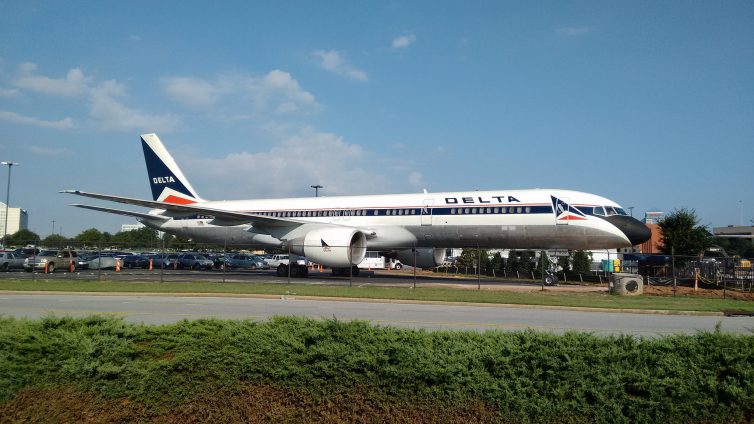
column 241, row 260
column 194, row 261
column 52, row 259
column 100, row 262
column 164, row 260
column 10, row 260
column 135, row 261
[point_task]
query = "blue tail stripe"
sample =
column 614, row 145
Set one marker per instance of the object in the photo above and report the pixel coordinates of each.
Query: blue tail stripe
column 160, row 175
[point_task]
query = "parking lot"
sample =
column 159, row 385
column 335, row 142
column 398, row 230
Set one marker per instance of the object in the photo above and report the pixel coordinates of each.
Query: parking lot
column 381, row 278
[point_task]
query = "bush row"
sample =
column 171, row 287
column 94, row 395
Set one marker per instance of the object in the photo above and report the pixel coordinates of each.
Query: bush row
column 524, row 376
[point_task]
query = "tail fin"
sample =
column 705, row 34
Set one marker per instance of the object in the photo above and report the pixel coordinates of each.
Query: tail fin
column 165, row 177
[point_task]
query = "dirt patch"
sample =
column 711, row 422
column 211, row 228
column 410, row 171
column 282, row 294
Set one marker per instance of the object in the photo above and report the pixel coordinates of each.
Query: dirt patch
column 700, row 292
column 254, row 403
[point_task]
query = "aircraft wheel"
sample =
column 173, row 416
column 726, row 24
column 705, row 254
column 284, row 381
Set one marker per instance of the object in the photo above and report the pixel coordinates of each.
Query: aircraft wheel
column 282, row 270
column 51, row 267
column 551, row 280
column 398, row 266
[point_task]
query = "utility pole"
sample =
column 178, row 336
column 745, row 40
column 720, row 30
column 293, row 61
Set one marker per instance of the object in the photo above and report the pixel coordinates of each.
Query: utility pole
column 7, row 200
column 316, row 189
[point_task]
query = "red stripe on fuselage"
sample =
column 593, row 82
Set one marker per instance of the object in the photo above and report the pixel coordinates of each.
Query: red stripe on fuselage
column 178, row 200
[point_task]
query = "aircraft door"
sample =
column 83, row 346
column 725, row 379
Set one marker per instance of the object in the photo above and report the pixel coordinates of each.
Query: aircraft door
column 426, row 212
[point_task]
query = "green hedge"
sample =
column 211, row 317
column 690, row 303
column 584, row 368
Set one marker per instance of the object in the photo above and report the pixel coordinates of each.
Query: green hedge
column 525, row 376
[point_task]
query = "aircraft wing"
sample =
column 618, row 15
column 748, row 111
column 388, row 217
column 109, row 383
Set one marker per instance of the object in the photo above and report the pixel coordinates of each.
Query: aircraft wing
column 221, row 217
column 123, row 212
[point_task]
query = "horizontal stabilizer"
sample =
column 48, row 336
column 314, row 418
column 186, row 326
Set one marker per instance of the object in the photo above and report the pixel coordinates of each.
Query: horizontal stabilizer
column 224, row 216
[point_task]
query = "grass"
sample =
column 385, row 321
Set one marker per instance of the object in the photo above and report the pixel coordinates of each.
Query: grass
column 152, row 371
column 547, row 298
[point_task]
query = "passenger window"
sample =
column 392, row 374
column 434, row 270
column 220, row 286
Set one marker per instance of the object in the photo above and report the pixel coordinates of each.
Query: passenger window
column 528, row 209
column 503, row 210
column 518, row 209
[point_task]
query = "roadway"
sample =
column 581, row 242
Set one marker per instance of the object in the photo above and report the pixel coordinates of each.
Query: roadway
column 161, row 309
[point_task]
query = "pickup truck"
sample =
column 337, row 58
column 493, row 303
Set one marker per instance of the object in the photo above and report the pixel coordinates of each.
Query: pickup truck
column 282, row 259
column 10, row 260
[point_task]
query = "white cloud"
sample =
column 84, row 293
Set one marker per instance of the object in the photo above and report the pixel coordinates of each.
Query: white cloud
column 416, row 179
column 8, row 92
column 63, row 124
column 48, row 151
column 403, row 41
column 308, row 157
column 107, row 112
column 74, row 84
column 113, row 115
column 192, row 92
column 573, row 31
column 276, row 92
column 333, row 61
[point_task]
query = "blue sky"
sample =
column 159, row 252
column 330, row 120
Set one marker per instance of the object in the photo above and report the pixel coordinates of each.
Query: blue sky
column 650, row 104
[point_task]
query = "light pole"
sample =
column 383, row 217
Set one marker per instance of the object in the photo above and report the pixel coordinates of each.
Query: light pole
column 7, row 199
column 53, row 227
column 741, row 206
column 316, row 189
column 631, row 211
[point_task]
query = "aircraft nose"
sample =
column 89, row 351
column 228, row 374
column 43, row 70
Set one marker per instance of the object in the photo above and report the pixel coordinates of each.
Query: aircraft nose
column 636, row 231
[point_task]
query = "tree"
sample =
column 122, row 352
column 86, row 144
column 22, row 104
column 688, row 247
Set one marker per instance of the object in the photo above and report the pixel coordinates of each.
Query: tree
column 519, row 261
column 470, row 256
column 543, row 261
column 93, row 236
column 22, row 237
column 143, row 237
column 582, row 261
column 55, row 240
column 682, row 234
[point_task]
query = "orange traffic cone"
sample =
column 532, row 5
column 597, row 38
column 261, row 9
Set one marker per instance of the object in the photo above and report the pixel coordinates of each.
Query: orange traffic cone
column 117, row 265
column 71, row 267
column 150, row 264
column 47, row 270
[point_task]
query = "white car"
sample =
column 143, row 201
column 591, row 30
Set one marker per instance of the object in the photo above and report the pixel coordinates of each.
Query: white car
column 10, row 260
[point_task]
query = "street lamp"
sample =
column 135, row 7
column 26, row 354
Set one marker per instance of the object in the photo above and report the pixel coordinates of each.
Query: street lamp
column 631, row 210
column 7, row 200
column 316, row 189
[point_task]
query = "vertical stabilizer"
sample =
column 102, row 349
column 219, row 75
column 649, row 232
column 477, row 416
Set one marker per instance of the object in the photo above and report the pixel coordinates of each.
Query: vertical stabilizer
column 165, row 177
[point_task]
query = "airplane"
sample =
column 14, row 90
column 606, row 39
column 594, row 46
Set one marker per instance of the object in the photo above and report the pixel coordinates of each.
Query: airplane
column 417, row 227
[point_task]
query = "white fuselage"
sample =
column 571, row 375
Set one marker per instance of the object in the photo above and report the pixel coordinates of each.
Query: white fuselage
column 521, row 219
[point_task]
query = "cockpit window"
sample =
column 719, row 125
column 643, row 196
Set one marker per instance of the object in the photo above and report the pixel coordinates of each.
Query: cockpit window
column 621, row 211
column 610, row 211
column 599, row 210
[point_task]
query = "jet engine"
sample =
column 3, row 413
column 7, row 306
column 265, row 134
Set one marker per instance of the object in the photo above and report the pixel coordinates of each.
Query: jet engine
column 426, row 257
column 333, row 247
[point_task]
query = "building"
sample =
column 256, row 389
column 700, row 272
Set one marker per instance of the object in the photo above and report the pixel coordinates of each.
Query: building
column 653, row 245
column 735, row 231
column 18, row 219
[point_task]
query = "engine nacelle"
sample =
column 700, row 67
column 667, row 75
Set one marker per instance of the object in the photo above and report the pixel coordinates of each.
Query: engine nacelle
column 426, row 257
column 333, row 247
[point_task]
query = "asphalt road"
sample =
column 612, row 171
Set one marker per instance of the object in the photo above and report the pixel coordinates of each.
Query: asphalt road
column 166, row 309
